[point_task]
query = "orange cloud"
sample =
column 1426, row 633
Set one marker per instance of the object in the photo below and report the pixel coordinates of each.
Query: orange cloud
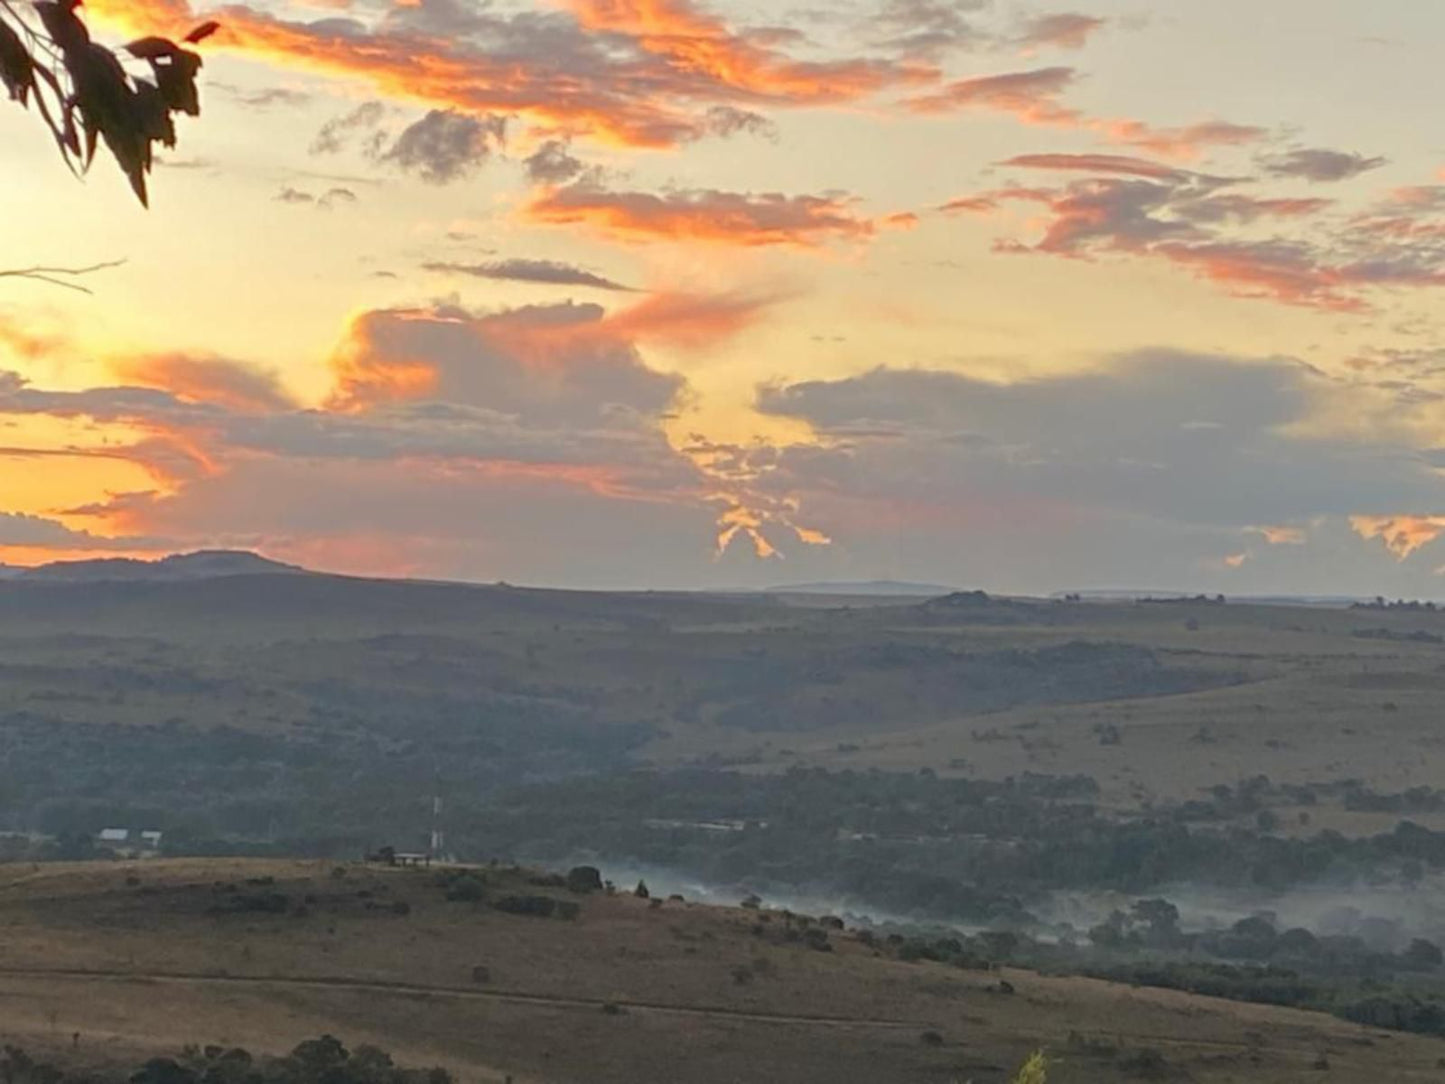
column 1061, row 30
column 1274, row 271
column 697, row 43
column 639, row 73
column 693, row 321
column 1402, row 535
column 710, row 216
column 1282, row 536
column 364, row 378
column 206, row 380
column 1186, row 143
column 1135, row 207
column 1033, row 98
column 741, row 520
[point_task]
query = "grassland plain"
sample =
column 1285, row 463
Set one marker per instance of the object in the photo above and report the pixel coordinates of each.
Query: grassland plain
column 1156, row 701
column 297, row 714
column 105, row 963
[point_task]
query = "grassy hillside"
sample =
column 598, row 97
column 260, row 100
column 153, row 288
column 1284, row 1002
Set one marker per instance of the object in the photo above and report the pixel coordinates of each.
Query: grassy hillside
column 106, row 964
column 284, row 693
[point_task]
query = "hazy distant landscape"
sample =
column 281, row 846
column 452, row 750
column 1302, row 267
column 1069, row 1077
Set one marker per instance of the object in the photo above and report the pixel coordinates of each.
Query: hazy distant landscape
column 1217, row 798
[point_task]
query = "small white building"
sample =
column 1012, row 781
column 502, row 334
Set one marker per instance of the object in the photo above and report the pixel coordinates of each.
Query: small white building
column 130, row 842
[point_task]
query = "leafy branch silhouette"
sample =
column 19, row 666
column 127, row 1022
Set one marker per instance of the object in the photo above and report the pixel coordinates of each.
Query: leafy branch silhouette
column 84, row 94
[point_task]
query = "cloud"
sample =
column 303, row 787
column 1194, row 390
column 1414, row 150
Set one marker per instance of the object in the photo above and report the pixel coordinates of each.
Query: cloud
column 727, row 121
column 926, row 29
column 1282, row 535
column 542, row 272
column 1184, row 143
column 1403, row 536
column 19, row 530
column 1179, row 452
column 691, row 321
column 545, row 415
column 219, row 381
column 703, row 215
column 1098, row 163
column 1060, row 30
column 263, row 97
column 640, row 73
column 553, row 164
column 445, row 146
column 325, row 202
column 1201, row 224
column 1319, row 165
column 336, row 133
column 1031, row 96
column 287, row 194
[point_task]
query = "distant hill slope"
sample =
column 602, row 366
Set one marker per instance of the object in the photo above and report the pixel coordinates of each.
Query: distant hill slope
column 117, row 961
column 203, row 565
column 894, row 588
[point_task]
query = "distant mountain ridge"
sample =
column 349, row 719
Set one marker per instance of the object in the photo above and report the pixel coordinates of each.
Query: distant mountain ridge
column 201, row 565
column 865, row 587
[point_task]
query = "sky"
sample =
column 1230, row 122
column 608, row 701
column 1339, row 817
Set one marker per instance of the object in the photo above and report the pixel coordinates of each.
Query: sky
column 674, row 294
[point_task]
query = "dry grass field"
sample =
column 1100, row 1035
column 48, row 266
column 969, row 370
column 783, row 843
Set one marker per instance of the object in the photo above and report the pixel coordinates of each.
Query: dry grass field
column 105, row 963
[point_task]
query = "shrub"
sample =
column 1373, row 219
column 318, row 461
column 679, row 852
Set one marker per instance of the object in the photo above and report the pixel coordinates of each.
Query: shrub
column 537, row 906
column 583, row 879
column 468, row 888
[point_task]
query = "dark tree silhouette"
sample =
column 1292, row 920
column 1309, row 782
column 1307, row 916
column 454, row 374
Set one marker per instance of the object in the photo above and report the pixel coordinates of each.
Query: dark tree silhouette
column 83, row 92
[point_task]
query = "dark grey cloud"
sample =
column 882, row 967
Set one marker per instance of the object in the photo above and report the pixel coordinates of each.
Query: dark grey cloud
column 336, row 133
column 927, row 29
column 21, row 529
column 264, row 97
column 445, row 146
column 727, row 121
column 1060, row 30
column 325, row 201
column 542, row 272
column 553, row 163
column 1319, row 165
column 1143, row 210
column 1196, row 440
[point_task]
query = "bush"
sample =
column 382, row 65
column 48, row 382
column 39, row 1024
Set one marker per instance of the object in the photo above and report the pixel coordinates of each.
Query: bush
column 584, row 879
column 468, row 888
column 537, row 906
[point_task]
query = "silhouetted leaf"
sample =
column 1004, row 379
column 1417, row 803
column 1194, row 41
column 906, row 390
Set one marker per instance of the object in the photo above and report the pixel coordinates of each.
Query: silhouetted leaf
column 150, row 48
column 202, row 32
column 60, row 22
column 17, row 70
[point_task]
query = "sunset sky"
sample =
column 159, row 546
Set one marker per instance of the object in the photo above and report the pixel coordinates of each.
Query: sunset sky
column 653, row 293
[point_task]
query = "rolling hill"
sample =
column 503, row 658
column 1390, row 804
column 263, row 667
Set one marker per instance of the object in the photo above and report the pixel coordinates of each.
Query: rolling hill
column 108, row 964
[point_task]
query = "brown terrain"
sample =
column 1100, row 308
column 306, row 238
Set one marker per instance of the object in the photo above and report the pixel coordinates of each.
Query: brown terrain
column 104, row 964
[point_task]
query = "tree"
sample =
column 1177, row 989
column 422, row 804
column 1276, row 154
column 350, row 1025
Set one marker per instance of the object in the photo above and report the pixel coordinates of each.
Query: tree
column 83, row 93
